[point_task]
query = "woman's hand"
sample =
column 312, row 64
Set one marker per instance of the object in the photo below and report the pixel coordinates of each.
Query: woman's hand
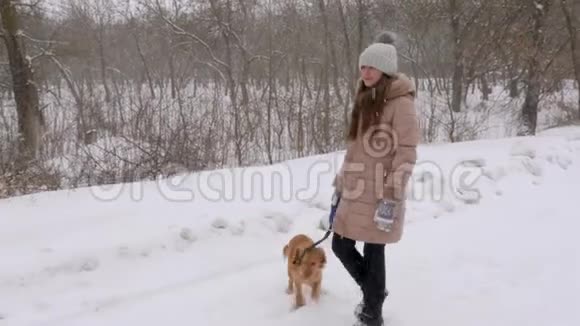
column 333, row 206
column 385, row 214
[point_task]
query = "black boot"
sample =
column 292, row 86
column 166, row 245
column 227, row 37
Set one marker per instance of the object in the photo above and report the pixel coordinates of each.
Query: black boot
column 360, row 307
column 366, row 320
column 369, row 311
column 371, row 314
column 368, row 272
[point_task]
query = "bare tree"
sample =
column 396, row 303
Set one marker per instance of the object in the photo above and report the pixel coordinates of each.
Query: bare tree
column 571, row 13
column 463, row 21
column 538, row 11
column 30, row 120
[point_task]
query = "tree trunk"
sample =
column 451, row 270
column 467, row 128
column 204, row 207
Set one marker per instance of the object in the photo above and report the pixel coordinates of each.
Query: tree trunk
column 530, row 108
column 103, row 61
column 25, row 90
column 485, row 89
column 360, row 26
column 145, row 66
column 350, row 65
column 326, row 79
column 513, row 85
column 329, row 44
column 232, row 92
column 300, row 127
column 270, row 88
column 172, row 75
column 458, row 73
column 574, row 46
column 533, row 77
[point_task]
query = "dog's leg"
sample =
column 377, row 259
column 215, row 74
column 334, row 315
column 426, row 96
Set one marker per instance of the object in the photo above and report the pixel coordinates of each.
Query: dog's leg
column 299, row 296
column 290, row 288
column 316, row 291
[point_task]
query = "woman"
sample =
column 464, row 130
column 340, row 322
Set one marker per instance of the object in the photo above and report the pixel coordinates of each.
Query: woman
column 371, row 184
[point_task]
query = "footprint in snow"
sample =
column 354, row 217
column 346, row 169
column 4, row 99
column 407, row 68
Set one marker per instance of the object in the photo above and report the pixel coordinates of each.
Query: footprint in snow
column 89, row 264
column 278, row 222
column 187, row 235
column 238, row 229
column 219, row 223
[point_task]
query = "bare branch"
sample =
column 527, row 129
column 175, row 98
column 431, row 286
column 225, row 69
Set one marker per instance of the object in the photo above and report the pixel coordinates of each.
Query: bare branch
column 213, row 67
column 180, row 31
column 30, row 38
column 32, row 5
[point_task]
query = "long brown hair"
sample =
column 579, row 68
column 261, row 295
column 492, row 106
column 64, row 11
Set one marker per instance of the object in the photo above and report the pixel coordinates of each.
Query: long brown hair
column 368, row 105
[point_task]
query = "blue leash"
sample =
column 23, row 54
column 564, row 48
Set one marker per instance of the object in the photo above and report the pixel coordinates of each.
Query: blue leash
column 333, row 208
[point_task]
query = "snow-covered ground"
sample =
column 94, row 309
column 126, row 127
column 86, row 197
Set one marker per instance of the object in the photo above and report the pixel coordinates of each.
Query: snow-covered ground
column 491, row 240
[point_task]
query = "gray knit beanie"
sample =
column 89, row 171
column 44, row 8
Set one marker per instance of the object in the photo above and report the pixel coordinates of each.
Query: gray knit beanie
column 382, row 54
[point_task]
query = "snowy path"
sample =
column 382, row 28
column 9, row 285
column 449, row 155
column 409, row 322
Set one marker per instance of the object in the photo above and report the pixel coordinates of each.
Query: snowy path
column 492, row 267
column 512, row 259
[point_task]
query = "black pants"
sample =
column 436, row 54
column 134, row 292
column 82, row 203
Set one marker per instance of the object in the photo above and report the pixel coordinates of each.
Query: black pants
column 367, row 270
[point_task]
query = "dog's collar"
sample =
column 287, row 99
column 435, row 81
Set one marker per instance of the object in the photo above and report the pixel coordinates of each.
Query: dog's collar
column 298, row 259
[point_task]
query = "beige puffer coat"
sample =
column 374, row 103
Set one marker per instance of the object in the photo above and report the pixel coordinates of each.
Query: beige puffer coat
column 378, row 164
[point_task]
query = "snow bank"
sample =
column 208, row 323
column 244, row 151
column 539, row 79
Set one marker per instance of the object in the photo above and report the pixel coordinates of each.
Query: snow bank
column 490, row 239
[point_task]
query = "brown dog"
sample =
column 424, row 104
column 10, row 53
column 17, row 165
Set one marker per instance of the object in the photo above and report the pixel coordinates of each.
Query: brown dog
column 307, row 271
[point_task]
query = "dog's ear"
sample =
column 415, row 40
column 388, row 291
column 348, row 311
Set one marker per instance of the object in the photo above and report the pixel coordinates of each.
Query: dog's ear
column 296, row 257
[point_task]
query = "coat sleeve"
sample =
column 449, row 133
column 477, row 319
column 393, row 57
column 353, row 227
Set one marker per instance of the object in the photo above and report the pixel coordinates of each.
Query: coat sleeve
column 336, row 182
column 405, row 128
